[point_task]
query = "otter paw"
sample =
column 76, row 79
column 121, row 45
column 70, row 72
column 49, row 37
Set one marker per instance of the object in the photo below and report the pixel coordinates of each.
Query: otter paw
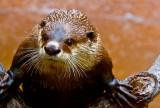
column 2, row 69
column 119, row 92
column 3, row 77
column 5, row 82
column 2, row 72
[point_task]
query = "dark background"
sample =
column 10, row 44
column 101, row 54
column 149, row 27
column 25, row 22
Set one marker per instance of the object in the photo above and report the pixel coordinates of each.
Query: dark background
column 130, row 29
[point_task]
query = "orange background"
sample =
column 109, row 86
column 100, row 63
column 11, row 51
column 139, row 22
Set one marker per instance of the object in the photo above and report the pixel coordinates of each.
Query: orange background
column 130, row 29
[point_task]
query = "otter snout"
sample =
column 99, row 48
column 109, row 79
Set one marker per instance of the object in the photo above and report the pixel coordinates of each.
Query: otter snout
column 52, row 50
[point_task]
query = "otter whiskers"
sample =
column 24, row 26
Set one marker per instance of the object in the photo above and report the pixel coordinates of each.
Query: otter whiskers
column 26, row 50
column 34, row 58
column 34, row 62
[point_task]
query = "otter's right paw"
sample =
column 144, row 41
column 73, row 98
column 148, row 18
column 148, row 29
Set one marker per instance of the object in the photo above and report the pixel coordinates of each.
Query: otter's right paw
column 2, row 72
column 9, row 82
column 3, row 77
column 2, row 69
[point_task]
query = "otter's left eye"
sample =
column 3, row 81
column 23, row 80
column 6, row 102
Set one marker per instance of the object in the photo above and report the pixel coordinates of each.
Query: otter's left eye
column 69, row 42
column 91, row 35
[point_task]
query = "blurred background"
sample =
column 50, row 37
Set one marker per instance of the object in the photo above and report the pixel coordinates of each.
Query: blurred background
column 130, row 29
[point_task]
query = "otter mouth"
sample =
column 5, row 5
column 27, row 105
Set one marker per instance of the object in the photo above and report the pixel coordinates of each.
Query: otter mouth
column 53, row 60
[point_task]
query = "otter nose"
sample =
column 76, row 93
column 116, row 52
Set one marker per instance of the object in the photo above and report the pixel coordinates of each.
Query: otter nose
column 52, row 50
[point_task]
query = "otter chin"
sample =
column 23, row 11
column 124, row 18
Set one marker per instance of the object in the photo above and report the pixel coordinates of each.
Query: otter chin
column 64, row 64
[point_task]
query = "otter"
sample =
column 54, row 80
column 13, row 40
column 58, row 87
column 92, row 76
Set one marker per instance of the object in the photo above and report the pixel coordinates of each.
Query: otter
column 64, row 64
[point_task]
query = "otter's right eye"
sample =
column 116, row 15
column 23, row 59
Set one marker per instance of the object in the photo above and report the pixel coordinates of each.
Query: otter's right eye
column 44, row 37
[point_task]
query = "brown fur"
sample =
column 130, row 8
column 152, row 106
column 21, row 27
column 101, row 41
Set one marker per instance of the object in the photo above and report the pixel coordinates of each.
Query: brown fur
column 55, row 73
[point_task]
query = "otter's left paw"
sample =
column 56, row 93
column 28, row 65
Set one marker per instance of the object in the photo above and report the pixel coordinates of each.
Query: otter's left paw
column 119, row 92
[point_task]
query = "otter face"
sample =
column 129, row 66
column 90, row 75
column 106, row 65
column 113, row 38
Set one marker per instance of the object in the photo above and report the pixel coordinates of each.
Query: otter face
column 68, row 40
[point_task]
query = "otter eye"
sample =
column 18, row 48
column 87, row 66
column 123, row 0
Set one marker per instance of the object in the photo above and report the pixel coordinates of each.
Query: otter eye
column 42, row 24
column 44, row 37
column 91, row 35
column 69, row 42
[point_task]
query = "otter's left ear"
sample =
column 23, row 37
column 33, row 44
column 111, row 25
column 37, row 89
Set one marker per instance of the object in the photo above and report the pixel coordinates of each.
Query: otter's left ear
column 91, row 34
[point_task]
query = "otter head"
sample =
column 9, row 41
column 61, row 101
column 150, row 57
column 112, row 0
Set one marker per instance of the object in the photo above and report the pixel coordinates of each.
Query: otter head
column 68, row 42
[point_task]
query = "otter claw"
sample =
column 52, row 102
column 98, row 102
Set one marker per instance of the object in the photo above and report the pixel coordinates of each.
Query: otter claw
column 122, row 97
column 3, row 77
column 126, row 86
column 118, row 101
column 126, row 93
column 119, row 92
column 2, row 69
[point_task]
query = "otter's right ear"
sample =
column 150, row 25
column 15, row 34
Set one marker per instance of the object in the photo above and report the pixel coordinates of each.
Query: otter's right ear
column 43, row 23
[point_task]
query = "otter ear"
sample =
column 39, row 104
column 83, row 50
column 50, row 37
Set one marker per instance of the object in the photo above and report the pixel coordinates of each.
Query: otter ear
column 91, row 34
column 43, row 23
